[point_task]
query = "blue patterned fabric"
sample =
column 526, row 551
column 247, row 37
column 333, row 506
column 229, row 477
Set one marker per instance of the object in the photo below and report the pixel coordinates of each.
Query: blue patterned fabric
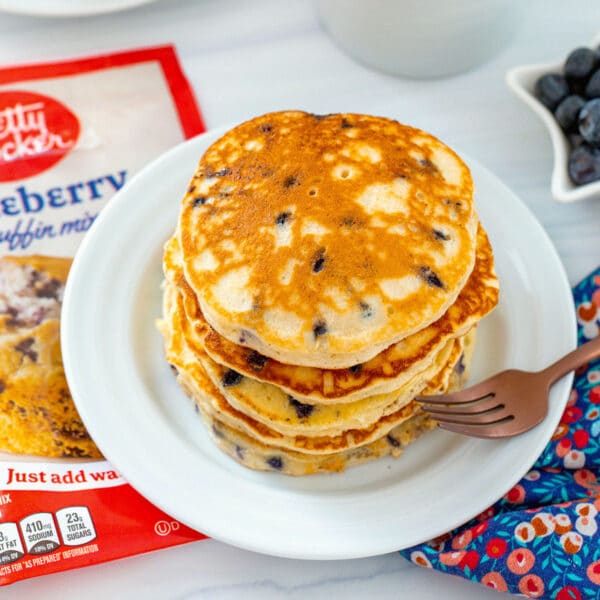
column 542, row 539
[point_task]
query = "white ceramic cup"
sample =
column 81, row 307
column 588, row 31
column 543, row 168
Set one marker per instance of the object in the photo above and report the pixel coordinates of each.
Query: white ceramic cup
column 419, row 38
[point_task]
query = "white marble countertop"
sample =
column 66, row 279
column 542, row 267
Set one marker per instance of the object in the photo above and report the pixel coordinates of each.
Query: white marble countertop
column 246, row 58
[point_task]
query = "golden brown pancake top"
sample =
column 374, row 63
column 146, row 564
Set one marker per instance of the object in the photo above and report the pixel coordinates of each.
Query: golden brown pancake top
column 323, row 239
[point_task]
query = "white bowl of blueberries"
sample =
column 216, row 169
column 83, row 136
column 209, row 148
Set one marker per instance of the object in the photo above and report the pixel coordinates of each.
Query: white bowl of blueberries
column 566, row 96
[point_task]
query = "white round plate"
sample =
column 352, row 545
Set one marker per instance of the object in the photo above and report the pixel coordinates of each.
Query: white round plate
column 147, row 428
column 67, row 8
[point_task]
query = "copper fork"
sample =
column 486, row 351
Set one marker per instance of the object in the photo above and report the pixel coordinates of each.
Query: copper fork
column 506, row 404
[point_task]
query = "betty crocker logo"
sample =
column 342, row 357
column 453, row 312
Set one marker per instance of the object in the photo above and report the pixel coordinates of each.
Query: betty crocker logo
column 35, row 133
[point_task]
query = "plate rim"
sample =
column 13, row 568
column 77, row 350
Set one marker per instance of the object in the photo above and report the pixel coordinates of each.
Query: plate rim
column 69, row 341
column 66, row 8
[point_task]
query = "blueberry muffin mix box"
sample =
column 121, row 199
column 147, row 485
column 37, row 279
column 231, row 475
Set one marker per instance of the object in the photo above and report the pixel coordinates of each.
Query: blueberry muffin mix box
column 72, row 134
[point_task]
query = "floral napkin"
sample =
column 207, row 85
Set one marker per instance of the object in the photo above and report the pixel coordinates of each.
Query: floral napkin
column 541, row 539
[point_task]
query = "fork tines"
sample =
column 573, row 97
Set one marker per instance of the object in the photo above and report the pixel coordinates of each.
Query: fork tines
column 472, row 416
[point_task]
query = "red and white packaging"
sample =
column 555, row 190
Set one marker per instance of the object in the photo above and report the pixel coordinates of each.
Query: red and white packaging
column 71, row 135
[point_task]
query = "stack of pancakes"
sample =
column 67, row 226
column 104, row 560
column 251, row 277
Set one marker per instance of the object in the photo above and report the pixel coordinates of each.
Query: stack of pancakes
column 325, row 270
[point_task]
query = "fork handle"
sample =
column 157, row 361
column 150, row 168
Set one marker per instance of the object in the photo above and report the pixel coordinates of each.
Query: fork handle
column 574, row 359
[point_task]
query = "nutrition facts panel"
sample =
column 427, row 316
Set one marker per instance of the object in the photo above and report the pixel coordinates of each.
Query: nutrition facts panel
column 11, row 547
column 39, row 533
column 43, row 532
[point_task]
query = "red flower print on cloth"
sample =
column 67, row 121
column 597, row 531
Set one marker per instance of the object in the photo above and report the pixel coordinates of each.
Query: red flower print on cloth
column 542, row 538
column 516, row 495
column 531, row 586
column 494, row 580
column 593, row 572
column 520, row 561
column 569, row 592
column 496, row 548
column 451, row 559
column 470, row 560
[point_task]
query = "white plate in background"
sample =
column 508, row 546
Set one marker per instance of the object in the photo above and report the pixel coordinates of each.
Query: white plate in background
column 67, row 8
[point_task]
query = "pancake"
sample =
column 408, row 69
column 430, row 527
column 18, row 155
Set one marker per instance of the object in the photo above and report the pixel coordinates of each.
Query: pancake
column 274, row 408
column 255, row 455
column 194, row 380
column 456, row 366
column 259, row 456
column 462, row 369
column 321, row 240
column 390, row 370
column 37, row 413
column 212, row 403
column 269, row 405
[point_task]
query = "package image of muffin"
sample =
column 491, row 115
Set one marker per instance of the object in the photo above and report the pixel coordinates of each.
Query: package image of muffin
column 36, row 409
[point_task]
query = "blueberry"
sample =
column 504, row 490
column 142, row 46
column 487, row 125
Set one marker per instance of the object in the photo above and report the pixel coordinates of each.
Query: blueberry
column 256, row 360
column 440, row 235
column 319, row 261
column 427, row 165
column 302, row 410
column 365, row 310
column 282, row 218
column 231, row 377
column 584, row 164
column 589, row 122
column 319, row 328
column 355, row 368
column 567, row 112
column 575, row 139
column 459, row 367
column 580, row 63
column 218, row 433
column 577, row 87
column 393, row 441
column 592, row 88
column 318, row 264
column 550, row 89
column 275, row 462
column 199, row 200
column 431, row 277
